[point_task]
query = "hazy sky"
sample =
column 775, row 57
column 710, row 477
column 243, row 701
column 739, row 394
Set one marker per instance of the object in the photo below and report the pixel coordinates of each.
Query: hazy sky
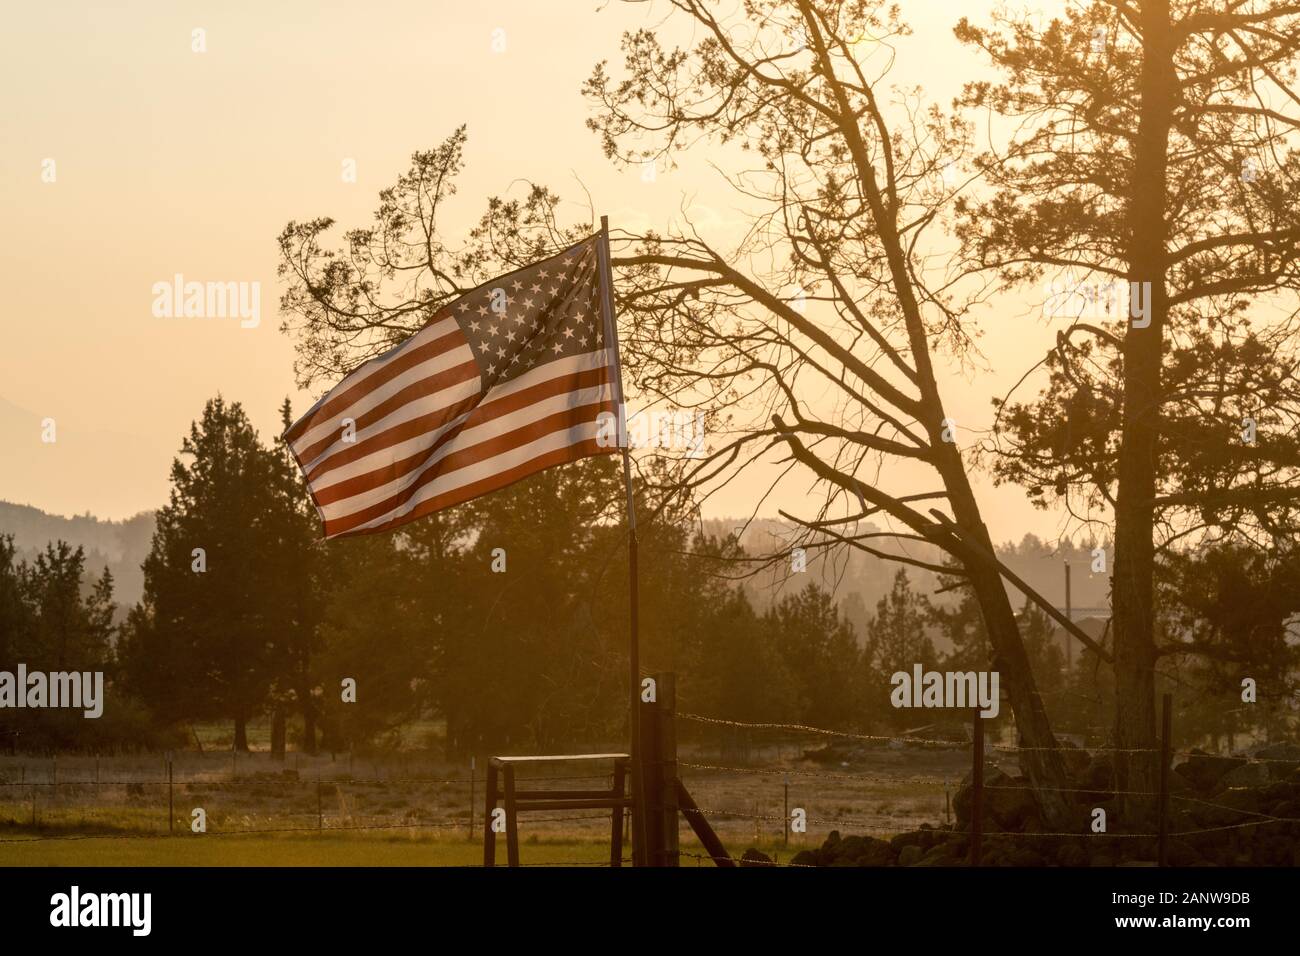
column 170, row 161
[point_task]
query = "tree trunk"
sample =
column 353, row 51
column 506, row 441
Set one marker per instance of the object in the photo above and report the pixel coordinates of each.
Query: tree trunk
column 1040, row 760
column 277, row 733
column 241, row 733
column 451, row 744
column 308, row 727
column 307, row 702
column 1132, row 581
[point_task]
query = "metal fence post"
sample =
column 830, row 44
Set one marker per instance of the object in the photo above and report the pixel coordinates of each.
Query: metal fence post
column 977, row 789
column 471, row 800
column 1166, row 749
column 489, row 807
column 785, row 822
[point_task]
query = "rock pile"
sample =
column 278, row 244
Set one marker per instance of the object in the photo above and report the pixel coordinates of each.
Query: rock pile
column 1226, row 811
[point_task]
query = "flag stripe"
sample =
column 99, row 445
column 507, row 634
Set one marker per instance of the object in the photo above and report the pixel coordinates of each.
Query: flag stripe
column 417, row 445
column 571, row 368
column 434, row 339
column 427, row 380
column 427, row 397
column 511, row 378
column 581, row 443
column 460, row 444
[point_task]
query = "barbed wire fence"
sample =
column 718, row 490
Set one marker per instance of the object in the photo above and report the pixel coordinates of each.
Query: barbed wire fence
column 978, row 788
column 42, row 801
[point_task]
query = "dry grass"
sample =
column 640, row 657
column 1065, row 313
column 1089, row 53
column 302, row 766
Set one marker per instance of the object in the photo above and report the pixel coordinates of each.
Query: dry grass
column 408, row 809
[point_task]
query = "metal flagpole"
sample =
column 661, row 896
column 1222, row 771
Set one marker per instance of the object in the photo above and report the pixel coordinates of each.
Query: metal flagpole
column 639, row 848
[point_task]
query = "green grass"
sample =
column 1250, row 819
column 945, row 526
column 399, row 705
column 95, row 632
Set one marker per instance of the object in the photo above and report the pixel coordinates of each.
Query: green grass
column 324, row 850
column 218, row 736
column 286, row 851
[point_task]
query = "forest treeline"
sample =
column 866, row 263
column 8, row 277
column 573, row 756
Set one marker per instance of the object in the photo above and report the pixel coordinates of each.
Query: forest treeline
column 505, row 620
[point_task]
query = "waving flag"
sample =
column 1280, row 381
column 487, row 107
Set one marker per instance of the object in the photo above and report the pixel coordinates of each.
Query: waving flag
column 505, row 381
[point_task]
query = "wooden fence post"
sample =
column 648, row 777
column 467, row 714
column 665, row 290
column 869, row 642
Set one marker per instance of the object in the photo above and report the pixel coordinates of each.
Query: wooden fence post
column 512, row 818
column 785, row 820
column 489, row 806
column 977, row 789
column 1166, row 754
column 695, row 817
column 650, row 766
column 171, row 803
column 665, row 778
column 471, row 799
column 616, row 817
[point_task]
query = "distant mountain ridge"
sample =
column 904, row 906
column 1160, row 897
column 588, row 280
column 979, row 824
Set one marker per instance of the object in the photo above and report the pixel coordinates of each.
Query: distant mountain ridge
column 120, row 546
column 1040, row 564
column 858, row 579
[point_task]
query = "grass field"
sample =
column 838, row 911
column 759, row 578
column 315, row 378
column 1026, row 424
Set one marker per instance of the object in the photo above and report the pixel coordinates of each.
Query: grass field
column 412, row 809
column 312, row 850
column 323, row 850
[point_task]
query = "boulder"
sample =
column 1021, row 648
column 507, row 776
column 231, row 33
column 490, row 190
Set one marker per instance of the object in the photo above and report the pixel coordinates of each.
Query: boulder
column 753, row 857
column 929, row 836
column 1282, row 759
column 1077, row 760
column 1269, row 847
column 1071, row 854
column 903, row 840
column 806, row 858
column 821, row 856
column 1031, row 822
column 1227, row 808
column 1011, row 853
column 949, row 853
column 1026, row 857
column 1181, row 853
column 1246, row 775
column 861, row 851
column 1008, row 801
column 1098, row 775
column 909, row 856
column 1286, row 810
column 1203, row 771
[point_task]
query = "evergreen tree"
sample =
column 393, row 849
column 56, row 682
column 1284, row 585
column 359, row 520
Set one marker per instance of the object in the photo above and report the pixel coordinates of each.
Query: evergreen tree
column 210, row 638
column 819, row 650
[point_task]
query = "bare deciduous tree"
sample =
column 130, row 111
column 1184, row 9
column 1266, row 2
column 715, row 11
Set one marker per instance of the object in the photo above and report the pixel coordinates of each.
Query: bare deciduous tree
column 818, row 331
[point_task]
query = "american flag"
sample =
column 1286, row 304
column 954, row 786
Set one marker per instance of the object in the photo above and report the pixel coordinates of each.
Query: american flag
column 505, row 381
